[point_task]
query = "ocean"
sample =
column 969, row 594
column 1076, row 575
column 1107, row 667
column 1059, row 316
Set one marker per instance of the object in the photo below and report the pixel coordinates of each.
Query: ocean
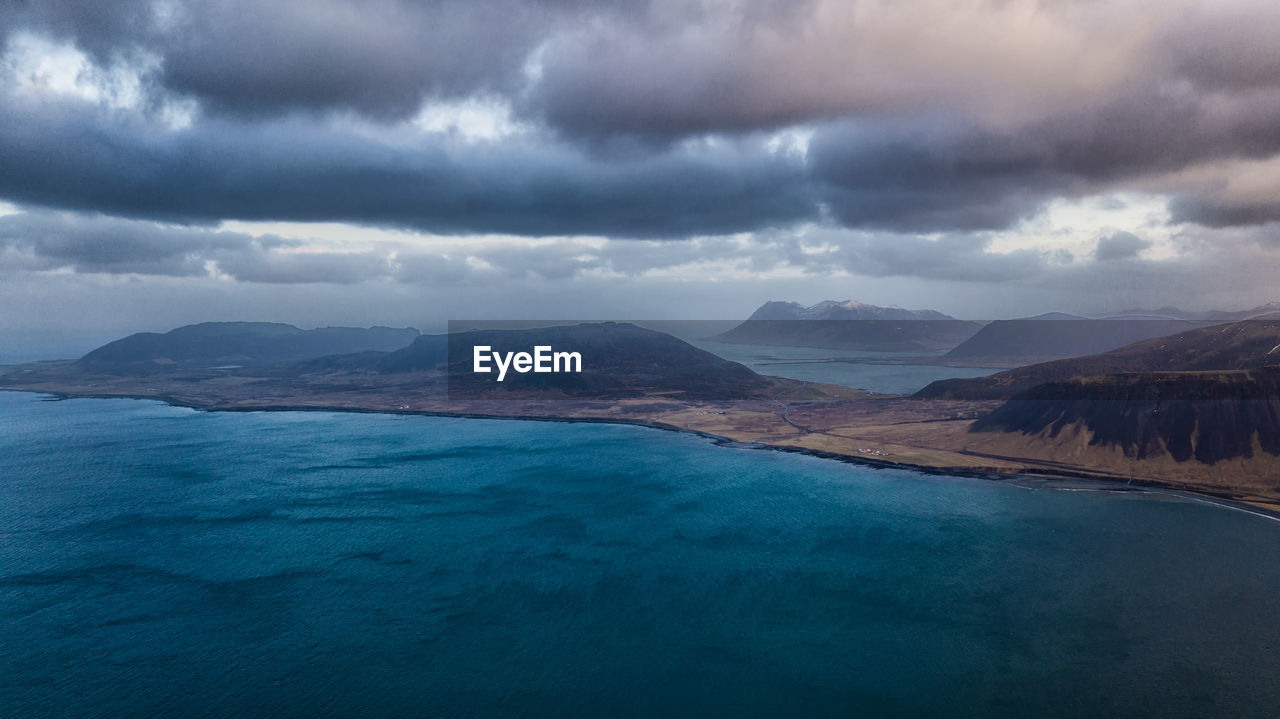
column 157, row 560
column 874, row 371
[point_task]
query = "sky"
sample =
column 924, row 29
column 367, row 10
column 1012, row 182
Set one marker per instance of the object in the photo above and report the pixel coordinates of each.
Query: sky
column 403, row 163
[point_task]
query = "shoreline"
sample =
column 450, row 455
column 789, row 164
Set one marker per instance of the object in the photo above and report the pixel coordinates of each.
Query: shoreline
column 1085, row 480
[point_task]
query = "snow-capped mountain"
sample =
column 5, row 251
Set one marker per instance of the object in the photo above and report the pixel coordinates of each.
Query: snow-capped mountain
column 845, row 310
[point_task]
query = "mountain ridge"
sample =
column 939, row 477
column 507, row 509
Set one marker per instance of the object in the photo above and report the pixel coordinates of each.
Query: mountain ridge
column 1058, row 335
column 1207, row 417
column 1246, row 344
column 238, row 343
column 841, row 310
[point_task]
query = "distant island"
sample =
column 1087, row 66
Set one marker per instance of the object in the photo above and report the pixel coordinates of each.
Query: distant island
column 1193, row 411
column 850, row 325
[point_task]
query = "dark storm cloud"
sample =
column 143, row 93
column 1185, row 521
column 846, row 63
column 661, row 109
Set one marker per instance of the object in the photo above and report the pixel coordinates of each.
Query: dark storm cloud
column 1220, row 212
column 102, row 28
column 298, row 169
column 932, row 176
column 928, row 176
column 940, row 174
column 928, row 117
column 381, row 58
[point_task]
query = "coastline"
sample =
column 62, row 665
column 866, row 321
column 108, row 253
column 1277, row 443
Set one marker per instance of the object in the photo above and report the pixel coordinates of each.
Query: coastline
column 1058, row 479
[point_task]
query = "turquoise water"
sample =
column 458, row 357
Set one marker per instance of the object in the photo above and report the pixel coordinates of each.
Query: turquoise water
column 157, row 560
column 873, row 371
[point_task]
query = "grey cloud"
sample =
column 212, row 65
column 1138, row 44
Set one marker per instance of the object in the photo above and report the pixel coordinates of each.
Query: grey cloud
column 1218, row 265
column 634, row 258
column 381, row 58
column 88, row 244
column 945, row 173
column 927, row 176
column 961, row 257
column 915, row 131
column 105, row 244
column 429, row 269
column 676, row 67
column 1217, row 212
column 300, row 169
column 343, row 268
column 557, row 261
column 823, row 251
column 735, row 66
column 1227, row 46
column 906, row 149
column 1120, row 246
column 104, row 29
column 100, row 244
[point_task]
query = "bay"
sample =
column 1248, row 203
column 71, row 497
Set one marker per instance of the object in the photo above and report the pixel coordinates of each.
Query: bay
column 159, row 560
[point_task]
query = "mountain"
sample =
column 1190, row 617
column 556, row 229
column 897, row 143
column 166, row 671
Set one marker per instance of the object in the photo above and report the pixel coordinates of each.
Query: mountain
column 1207, row 417
column 846, row 310
column 427, row 352
column 849, row 325
column 619, row 360
column 213, row 344
column 1059, row 335
column 1247, row 344
column 1164, row 407
column 1209, row 315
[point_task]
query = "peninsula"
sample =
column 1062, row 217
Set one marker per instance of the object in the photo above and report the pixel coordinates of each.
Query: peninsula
column 1086, row 430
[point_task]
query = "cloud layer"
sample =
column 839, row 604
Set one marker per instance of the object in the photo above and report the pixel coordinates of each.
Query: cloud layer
column 588, row 149
column 649, row 118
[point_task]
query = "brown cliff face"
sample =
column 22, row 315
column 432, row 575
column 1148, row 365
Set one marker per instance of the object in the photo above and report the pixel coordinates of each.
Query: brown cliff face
column 1206, row 417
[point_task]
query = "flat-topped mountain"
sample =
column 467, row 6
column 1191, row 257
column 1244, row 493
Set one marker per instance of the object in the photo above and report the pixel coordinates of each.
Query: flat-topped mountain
column 841, row 310
column 1239, row 345
column 1165, row 407
column 849, row 325
column 212, row 344
column 1060, row 335
column 1203, row 416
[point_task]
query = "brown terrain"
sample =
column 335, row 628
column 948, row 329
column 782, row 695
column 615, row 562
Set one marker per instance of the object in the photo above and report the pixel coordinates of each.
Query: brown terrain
column 1102, row 429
